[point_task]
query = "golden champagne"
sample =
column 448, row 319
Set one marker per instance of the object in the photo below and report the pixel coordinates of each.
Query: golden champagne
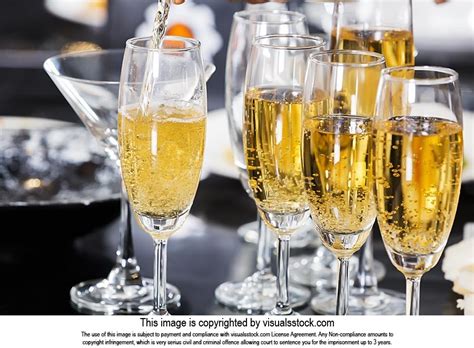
column 418, row 165
column 161, row 157
column 396, row 45
column 337, row 169
column 272, row 138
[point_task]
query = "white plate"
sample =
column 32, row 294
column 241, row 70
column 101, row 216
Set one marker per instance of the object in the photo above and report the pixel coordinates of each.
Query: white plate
column 468, row 171
column 18, row 122
column 218, row 157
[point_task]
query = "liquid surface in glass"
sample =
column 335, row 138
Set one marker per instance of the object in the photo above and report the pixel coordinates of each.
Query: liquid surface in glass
column 396, row 45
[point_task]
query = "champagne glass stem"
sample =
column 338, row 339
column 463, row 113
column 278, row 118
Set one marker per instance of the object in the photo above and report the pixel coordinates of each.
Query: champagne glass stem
column 125, row 248
column 413, row 296
column 264, row 248
column 366, row 278
column 283, row 303
column 342, row 304
column 159, row 278
column 126, row 270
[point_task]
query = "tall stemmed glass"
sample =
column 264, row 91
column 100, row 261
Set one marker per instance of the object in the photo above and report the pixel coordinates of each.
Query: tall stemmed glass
column 161, row 143
column 272, row 139
column 339, row 103
column 418, row 166
column 90, row 83
column 381, row 26
column 258, row 292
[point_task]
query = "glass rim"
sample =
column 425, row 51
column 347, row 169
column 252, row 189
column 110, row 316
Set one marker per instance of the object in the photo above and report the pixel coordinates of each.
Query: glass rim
column 451, row 75
column 244, row 16
column 332, row 115
column 132, row 44
column 80, row 54
column 380, row 59
column 321, row 42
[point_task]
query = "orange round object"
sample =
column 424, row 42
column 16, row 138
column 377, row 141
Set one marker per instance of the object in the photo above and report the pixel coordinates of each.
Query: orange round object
column 180, row 29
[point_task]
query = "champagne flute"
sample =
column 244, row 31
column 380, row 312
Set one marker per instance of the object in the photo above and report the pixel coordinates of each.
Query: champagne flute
column 161, row 144
column 382, row 26
column 272, row 139
column 418, row 167
column 385, row 27
column 258, row 292
column 339, row 102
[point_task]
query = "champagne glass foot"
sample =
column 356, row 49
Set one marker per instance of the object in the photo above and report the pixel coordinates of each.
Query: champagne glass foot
column 100, row 297
column 160, row 313
column 367, row 302
column 257, row 294
column 310, row 270
column 278, row 311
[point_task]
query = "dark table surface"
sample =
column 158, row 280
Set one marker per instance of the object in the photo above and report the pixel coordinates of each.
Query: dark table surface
column 36, row 274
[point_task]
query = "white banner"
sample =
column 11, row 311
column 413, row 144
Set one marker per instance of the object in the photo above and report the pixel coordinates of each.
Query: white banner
column 231, row 331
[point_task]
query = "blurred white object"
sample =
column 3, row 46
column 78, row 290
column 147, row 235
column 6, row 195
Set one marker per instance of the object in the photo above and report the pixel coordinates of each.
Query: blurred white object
column 267, row 6
column 467, row 304
column 468, row 170
column 188, row 19
column 458, row 267
column 447, row 27
column 468, row 232
column 218, row 157
column 88, row 12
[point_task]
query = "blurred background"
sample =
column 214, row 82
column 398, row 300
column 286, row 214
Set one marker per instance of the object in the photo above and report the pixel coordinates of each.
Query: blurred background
column 33, row 30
